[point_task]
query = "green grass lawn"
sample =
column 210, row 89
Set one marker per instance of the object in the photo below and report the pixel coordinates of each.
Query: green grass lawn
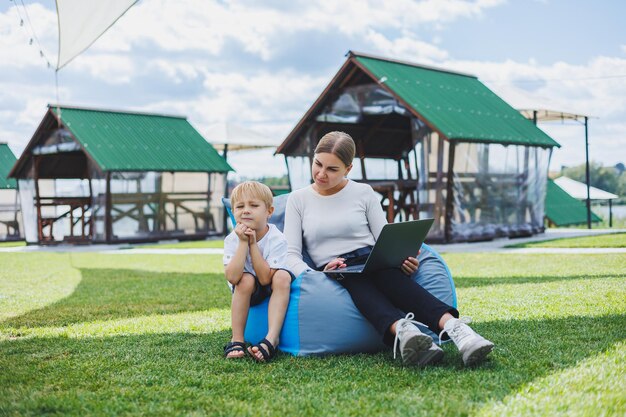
column 12, row 244
column 613, row 240
column 197, row 244
column 92, row 334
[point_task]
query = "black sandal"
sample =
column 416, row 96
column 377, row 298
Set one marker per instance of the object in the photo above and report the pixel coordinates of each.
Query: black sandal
column 235, row 347
column 268, row 354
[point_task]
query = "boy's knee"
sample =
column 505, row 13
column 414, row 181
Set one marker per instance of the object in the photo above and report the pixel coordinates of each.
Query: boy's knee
column 246, row 284
column 281, row 280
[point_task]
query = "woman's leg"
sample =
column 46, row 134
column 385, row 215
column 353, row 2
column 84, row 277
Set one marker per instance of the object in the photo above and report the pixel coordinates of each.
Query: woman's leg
column 437, row 315
column 409, row 296
column 415, row 347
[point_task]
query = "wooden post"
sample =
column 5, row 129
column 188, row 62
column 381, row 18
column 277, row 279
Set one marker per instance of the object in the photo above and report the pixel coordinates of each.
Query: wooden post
column 224, row 212
column 438, row 185
column 90, row 206
column 361, row 151
column 587, row 173
column 449, row 192
column 141, row 218
column 309, row 149
column 19, row 206
column 417, row 186
column 160, row 214
column 37, row 197
column 523, row 198
column 71, row 219
column 108, row 226
column 288, row 175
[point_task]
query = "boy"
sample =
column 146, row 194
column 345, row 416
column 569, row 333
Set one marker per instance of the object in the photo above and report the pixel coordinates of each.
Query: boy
column 254, row 261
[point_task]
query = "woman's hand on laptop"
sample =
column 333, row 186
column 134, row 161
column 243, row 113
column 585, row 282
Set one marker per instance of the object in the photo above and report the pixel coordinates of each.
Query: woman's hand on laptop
column 335, row 263
column 410, row 265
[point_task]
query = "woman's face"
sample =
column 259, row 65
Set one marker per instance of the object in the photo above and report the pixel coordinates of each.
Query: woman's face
column 329, row 172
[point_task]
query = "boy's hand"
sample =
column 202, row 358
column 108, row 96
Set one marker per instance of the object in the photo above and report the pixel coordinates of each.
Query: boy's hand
column 335, row 263
column 251, row 234
column 240, row 231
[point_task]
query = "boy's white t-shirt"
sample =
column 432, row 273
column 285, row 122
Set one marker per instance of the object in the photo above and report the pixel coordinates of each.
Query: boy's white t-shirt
column 273, row 247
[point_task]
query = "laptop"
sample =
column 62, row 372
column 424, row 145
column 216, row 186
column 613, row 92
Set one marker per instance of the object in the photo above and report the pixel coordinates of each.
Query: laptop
column 397, row 241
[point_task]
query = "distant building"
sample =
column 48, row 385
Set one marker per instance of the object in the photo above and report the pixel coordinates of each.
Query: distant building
column 562, row 209
column 90, row 175
column 10, row 213
column 433, row 143
column 578, row 191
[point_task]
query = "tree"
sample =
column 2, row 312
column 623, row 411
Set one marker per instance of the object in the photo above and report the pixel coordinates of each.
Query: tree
column 621, row 186
column 604, row 178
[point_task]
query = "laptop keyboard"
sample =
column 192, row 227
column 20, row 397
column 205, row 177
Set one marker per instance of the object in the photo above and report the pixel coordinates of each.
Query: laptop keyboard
column 351, row 268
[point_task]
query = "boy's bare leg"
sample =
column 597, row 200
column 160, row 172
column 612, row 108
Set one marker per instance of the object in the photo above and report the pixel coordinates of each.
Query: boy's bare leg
column 279, row 300
column 239, row 310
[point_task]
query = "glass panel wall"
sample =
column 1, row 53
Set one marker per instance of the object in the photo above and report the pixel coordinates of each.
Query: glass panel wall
column 498, row 191
column 432, row 163
column 26, row 189
column 11, row 227
column 159, row 205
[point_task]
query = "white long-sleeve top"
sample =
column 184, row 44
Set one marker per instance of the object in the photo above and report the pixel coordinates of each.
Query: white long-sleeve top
column 331, row 225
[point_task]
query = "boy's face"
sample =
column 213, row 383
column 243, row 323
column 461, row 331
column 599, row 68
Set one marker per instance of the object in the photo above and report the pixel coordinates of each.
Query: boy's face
column 252, row 212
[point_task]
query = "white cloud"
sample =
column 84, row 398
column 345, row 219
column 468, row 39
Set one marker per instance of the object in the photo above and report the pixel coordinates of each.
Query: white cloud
column 22, row 110
column 16, row 49
column 406, row 47
column 186, row 45
column 590, row 89
column 175, row 71
column 108, row 68
column 273, row 102
column 207, row 26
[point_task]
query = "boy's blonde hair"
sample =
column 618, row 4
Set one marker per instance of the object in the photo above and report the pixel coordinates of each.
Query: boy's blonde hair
column 252, row 189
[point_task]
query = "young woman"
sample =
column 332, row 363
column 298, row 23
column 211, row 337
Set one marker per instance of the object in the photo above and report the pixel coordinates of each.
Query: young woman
column 339, row 220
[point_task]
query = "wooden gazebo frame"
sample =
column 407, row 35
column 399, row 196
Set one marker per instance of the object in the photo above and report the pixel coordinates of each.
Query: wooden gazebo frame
column 156, row 213
column 441, row 109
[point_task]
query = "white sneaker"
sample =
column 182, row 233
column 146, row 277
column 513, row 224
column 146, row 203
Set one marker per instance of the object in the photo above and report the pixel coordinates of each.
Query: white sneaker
column 414, row 345
column 431, row 356
column 473, row 347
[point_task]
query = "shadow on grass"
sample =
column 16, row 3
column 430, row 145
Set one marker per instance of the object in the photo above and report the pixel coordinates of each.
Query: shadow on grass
column 105, row 294
column 468, row 282
column 185, row 373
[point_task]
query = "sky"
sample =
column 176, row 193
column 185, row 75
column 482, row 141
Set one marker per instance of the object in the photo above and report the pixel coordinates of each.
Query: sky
column 262, row 64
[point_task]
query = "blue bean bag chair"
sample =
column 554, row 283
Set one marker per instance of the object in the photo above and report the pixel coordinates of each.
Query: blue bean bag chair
column 321, row 318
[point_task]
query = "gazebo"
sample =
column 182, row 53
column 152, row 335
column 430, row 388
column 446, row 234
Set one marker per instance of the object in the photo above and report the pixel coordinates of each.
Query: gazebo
column 10, row 215
column 563, row 209
column 90, row 175
column 433, row 143
column 581, row 191
column 545, row 115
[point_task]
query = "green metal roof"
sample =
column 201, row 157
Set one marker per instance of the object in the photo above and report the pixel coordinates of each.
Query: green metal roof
column 119, row 141
column 563, row 210
column 457, row 105
column 7, row 160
